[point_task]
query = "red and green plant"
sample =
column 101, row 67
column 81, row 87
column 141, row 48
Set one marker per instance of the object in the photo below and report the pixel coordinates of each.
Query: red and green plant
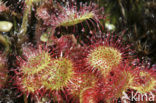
column 77, row 67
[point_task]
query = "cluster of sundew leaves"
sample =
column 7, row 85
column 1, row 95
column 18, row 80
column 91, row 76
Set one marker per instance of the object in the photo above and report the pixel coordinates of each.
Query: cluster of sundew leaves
column 121, row 80
column 59, row 64
column 105, row 59
column 144, row 81
column 69, row 15
column 40, row 70
column 116, row 78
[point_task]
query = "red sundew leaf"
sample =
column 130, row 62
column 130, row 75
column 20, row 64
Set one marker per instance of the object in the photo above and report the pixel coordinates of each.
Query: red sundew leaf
column 117, row 82
column 100, row 54
column 68, row 15
column 79, row 82
column 89, row 95
column 144, row 80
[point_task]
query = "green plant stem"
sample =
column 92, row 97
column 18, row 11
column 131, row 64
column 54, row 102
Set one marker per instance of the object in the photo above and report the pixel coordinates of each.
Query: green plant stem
column 15, row 23
column 4, row 41
column 25, row 20
column 122, row 10
column 25, row 99
column 23, row 30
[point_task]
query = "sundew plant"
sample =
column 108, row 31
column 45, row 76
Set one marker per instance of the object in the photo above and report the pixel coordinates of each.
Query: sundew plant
column 77, row 51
